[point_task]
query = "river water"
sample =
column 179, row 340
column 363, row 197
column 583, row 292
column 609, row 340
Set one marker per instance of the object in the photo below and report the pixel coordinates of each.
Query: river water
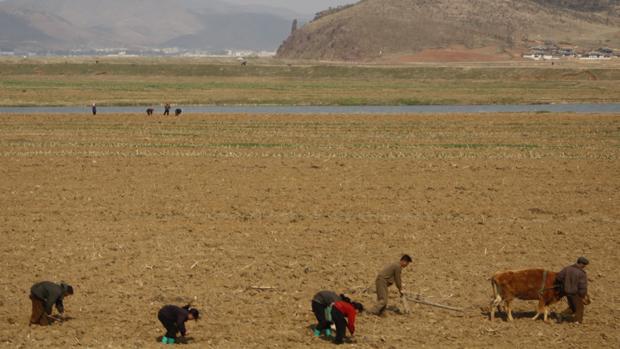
column 262, row 109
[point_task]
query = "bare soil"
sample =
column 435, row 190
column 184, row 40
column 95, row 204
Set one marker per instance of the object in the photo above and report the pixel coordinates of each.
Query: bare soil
column 459, row 54
column 137, row 213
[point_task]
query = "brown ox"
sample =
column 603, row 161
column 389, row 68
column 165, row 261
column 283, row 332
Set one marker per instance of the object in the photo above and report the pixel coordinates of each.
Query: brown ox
column 528, row 284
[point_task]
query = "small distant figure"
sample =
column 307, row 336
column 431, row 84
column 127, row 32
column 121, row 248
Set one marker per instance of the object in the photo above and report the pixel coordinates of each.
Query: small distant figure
column 94, row 109
column 173, row 318
column 167, row 109
column 388, row 276
column 244, row 63
column 44, row 295
column 178, row 112
column 573, row 283
column 149, row 111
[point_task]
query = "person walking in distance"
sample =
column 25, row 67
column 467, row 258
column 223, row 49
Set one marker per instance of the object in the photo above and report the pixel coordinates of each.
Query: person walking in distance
column 173, row 318
column 166, row 109
column 573, row 283
column 94, row 109
column 389, row 275
column 44, row 295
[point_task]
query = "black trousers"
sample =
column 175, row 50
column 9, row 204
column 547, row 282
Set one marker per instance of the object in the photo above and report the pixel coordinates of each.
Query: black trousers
column 319, row 312
column 575, row 303
column 170, row 326
column 341, row 325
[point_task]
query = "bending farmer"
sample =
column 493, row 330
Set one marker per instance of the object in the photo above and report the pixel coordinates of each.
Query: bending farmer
column 320, row 302
column 342, row 314
column 44, row 295
column 173, row 318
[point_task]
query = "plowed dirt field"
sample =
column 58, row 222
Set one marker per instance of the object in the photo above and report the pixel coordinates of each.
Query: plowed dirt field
column 250, row 215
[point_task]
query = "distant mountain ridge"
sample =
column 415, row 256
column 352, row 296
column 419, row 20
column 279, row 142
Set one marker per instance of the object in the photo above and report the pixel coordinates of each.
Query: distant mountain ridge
column 377, row 29
column 138, row 24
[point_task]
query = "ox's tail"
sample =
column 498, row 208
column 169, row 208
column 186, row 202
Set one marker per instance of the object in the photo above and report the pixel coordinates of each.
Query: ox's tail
column 496, row 287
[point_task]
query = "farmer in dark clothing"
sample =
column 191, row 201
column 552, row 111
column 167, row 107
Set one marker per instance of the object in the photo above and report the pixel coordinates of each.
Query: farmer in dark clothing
column 44, row 295
column 342, row 314
column 573, row 283
column 173, row 318
column 320, row 302
column 167, row 109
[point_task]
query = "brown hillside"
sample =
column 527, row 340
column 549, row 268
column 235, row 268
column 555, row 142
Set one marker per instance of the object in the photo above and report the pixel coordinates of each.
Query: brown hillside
column 374, row 29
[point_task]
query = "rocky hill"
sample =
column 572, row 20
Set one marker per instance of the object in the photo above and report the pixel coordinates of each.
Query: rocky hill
column 378, row 29
column 136, row 24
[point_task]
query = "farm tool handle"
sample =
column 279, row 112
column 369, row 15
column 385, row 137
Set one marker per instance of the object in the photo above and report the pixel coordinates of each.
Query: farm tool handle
column 418, row 299
column 55, row 318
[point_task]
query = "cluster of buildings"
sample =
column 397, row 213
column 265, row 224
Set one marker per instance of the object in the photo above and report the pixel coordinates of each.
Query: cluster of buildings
column 553, row 52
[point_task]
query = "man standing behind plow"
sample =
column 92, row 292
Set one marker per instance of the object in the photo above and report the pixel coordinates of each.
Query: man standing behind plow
column 388, row 276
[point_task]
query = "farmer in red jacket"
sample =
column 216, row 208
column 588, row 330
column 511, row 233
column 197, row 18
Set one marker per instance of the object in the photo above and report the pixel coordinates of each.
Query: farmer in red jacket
column 342, row 314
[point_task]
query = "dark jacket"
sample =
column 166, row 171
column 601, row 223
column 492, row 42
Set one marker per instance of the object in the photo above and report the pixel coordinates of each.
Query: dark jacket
column 573, row 281
column 326, row 297
column 174, row 314
column 50, row 293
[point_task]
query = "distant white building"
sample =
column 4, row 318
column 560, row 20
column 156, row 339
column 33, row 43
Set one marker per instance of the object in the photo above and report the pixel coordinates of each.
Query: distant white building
column 533, row 56
column 540, row 57
column 595, row 56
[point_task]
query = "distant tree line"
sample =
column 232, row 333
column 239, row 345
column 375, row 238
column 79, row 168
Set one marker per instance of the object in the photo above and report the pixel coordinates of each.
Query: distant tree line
column 331, row 11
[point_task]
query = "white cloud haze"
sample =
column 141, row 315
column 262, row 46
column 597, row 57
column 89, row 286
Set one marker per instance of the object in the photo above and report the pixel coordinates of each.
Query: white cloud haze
column 306, row 7
column 302, row 6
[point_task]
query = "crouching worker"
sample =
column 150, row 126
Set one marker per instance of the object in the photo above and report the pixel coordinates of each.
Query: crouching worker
column 44, row 295
column 342, row 314
column 320, row 302
column 173, row 318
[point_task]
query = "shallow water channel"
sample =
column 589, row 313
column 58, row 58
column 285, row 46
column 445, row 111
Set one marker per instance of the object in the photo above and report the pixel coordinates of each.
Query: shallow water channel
column 262, row 109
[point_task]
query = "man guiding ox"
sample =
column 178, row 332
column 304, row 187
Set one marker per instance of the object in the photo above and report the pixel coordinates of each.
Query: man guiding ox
column 572, row 282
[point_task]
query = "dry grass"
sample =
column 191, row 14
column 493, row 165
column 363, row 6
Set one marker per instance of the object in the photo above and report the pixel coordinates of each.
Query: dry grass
column 190, row 82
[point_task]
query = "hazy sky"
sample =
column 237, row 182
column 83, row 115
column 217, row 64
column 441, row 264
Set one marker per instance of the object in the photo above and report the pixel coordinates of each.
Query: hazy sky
column 302, row 6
